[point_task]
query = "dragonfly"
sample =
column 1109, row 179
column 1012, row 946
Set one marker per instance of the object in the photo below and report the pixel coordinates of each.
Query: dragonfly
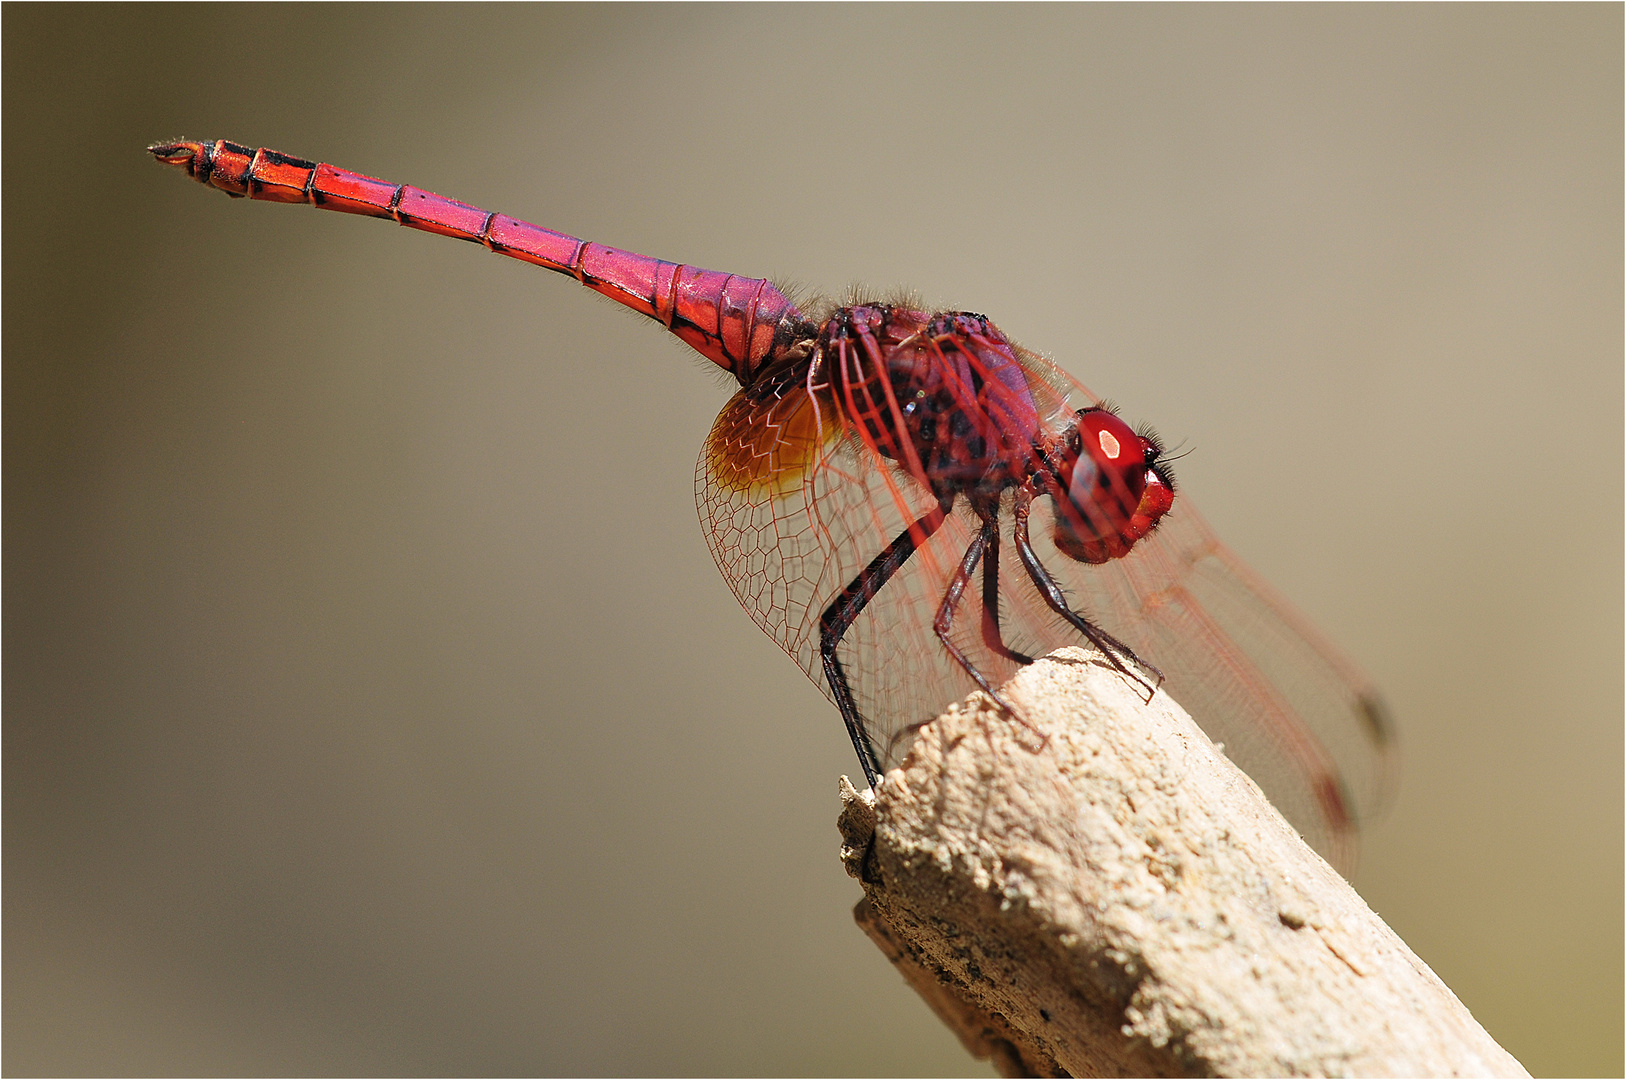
column 914, row 506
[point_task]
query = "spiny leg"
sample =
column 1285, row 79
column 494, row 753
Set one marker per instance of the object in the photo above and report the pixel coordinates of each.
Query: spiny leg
column 1110, row 647
column 845, row 608
column 943, row 625
column 991, row 635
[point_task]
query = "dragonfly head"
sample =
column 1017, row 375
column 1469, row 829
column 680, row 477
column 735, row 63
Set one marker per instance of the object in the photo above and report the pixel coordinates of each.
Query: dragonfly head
column 1115, row 486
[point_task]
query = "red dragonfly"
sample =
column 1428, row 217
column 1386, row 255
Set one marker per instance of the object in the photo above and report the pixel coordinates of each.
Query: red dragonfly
column 913, row 506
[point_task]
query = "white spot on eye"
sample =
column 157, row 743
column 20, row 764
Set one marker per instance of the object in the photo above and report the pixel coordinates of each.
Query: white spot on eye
column 1109, row 445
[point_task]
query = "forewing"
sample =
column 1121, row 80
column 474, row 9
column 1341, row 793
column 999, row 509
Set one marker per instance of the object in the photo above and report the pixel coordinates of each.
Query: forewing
column 1284, row 704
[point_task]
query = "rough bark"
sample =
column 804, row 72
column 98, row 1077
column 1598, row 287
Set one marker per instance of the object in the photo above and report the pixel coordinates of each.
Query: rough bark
column 1122, row 901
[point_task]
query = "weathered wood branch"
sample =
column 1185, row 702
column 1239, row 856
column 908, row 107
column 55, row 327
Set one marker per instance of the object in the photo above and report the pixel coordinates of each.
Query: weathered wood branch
column 1123, row 901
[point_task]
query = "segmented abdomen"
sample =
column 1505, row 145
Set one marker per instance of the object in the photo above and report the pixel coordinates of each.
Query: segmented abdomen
column 736, row 322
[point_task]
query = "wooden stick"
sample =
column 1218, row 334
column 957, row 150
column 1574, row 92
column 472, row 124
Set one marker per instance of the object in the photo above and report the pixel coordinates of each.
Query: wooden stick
column 1124, row 902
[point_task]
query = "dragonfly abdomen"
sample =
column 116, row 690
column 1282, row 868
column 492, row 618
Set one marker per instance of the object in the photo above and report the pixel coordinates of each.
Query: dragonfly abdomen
column 741, row 324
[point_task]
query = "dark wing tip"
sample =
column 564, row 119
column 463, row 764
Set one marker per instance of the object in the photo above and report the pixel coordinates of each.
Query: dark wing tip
column 1375, row 718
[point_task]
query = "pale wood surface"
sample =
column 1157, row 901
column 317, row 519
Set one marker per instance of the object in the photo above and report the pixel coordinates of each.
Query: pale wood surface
column 1123, row 901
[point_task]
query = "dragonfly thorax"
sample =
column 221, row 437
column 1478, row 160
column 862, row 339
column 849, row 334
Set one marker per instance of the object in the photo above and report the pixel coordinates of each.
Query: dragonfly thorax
column 940, row 394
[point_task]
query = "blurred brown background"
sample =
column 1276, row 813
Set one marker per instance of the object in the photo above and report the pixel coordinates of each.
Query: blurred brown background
column 371, row 701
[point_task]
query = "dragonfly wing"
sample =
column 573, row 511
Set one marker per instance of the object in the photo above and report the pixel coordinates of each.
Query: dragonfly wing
column 1286, row 706
column 751, row 490
column 794, row 508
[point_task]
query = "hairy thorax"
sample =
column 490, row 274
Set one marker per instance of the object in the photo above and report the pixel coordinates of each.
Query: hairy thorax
column 940, row 393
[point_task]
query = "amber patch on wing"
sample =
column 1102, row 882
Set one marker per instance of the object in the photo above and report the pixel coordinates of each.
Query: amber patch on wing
column 763, row 443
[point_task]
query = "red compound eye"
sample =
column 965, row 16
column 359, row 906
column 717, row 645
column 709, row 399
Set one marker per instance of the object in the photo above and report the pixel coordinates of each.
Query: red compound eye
column 1113, row 496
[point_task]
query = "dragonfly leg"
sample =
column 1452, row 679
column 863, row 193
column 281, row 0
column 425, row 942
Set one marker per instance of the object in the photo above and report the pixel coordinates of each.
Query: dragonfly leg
column 1114, row 650
column 991, row 635
column 944, row 623
column 983, row 548
column 845, row 608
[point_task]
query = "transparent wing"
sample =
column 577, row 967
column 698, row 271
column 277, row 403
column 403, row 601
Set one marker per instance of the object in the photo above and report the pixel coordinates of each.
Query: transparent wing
column 1287, row 707
column 794, row 507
